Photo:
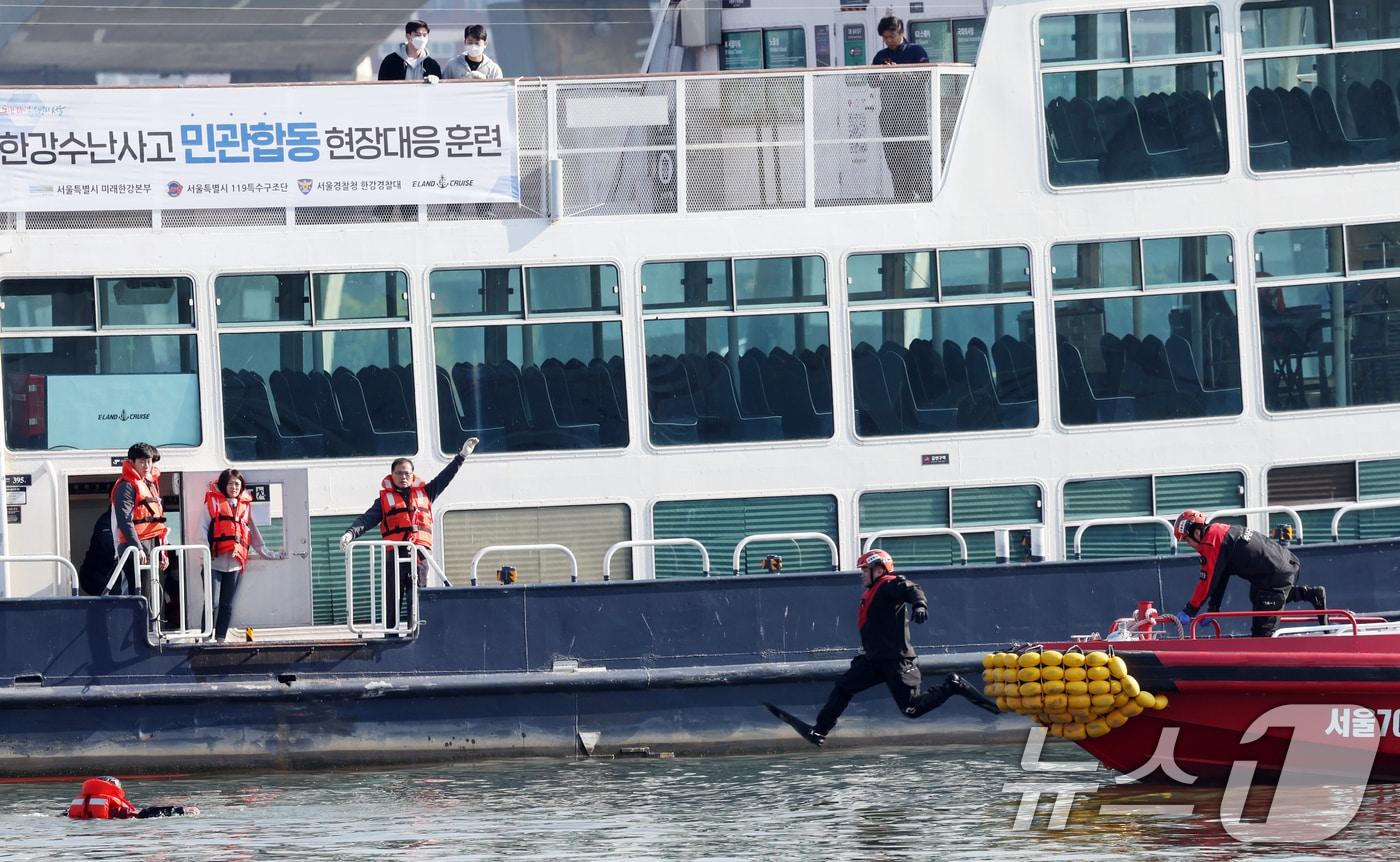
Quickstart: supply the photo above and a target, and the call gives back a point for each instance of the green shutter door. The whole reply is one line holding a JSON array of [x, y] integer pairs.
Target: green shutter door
[[721, 524], [894, 510], [1112, 498], [328, 573], [1205, 492], [1378, 480]]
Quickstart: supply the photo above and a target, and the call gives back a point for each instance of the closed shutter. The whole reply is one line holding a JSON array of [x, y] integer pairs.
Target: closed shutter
[[892, 510], [328, 573], [1113, 498], [721, 524], [1206, 492], [1376, 480], [1313, 483], [587, 531], [982, 507]]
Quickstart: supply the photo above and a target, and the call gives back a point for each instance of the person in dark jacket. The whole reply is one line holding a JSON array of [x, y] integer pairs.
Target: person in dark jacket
[[904, 114], [887, 656], [411, 61], [404, 513], [1226, 550]]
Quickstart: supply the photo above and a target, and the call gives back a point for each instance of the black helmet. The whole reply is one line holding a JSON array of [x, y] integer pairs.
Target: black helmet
[[142, 450]]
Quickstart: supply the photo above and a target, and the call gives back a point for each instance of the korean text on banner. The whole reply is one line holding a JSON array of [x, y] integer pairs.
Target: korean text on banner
[[334, 145]]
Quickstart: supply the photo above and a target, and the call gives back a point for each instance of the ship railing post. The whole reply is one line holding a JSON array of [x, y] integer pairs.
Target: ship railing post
[[920, 532], [655, 543], [1267, 510], [492, 549], [781, 537], [1369, 505], [64, 564], [1110, 522]]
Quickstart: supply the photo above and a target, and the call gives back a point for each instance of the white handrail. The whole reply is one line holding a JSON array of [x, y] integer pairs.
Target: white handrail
[[415, 553], [491, 549], [1369, 505], [63, 563], [128, 551], [1262, 510], [206, 627], [654, 543], [778, 537], [1109, 522], [914, 533]]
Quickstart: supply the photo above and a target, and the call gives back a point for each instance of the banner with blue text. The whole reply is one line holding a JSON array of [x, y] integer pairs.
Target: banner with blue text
[[299, 145]]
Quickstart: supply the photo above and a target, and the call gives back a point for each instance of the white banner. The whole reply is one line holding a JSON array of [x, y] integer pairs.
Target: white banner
[[263, 146], [108, 411]]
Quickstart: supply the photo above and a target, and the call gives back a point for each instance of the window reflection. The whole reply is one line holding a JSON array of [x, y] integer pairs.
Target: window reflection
[[137, 302], [361, 295], [1148, 357], [944, 369]]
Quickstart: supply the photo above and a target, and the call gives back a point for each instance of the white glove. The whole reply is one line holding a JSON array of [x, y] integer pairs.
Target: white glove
[[477, 74], [469, 446], [345, 541], [431, 79], [280, 555]]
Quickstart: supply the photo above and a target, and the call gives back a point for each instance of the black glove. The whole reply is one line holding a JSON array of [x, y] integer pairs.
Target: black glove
[[921, 614]]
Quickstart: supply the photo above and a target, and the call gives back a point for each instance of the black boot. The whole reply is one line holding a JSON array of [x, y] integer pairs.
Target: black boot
[[962, 687], [1318, 597], [805, 730]]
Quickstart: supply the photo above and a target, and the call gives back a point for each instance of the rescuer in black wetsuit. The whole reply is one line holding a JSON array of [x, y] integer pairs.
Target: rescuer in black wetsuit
[[887, 655], [1226, 550]]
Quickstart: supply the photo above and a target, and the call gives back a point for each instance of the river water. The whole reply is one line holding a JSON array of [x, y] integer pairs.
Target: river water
[[943, 803]]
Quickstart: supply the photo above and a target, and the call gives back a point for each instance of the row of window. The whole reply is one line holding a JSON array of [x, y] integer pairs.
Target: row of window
[[1131, 110], [319, 365], [946, 41], [1315, 490]]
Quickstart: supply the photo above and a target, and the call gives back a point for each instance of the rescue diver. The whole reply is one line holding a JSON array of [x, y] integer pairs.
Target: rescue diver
[[887, 655], [1226, 550], [404, 513], [227, 522], [103, 798], [137, 514]]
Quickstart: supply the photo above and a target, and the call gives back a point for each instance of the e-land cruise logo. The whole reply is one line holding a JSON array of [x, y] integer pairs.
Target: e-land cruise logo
[[122, 417]]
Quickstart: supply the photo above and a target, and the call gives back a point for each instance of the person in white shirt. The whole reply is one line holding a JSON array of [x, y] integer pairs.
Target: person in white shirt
[[473, 62]]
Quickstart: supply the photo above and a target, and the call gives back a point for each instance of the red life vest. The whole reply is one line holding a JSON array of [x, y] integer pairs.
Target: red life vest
[[869, 596], [148, 516], [100, 800], [406, 523], [230, 527]]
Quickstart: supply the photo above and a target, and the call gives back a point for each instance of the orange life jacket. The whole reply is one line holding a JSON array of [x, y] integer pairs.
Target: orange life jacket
[[100, 800], [230, 527], [406, 523], [148, 517]]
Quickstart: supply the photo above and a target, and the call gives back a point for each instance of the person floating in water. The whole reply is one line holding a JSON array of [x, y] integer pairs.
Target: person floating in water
[[887, 655], [103, 798]]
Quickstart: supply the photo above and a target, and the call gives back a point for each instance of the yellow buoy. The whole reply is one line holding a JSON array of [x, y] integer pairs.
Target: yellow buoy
[[1101, 703], [1120, 699], [1028, 674], [1098, 686], [1061, 717], [1051, 658], [1075, 674], [1130, 709], [1117, 667], [1159, 702], [1115, 687], [1097, 658], [1052, 672], [1099, 672], [1002, 704], [1073, 659], [1033, 703], [1078, 701], [1075, 730], [1057, 730], [1013, 701], [1095, 729], [1131, 687], [1056, 703], [1029, 688], [1029, 659], [1076, 688], [1115, 719], [1146, 700], [987, 676], [1053, 686], [989, 661]]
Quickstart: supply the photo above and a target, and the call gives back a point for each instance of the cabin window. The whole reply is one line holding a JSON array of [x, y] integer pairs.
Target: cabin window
[[1146, 350], [1335, 340], [1129, 110], [973, 512], [1322, 98], [721, 524], [94, 363], [529, 358], [772, 48], [728, 360], [304, 376], [1318, 491], [587, 530], [928, 361], [1143, 496], [948, 41]]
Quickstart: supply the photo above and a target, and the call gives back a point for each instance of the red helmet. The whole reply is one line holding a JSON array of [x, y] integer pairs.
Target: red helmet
[[1184, 520], [873, 556]]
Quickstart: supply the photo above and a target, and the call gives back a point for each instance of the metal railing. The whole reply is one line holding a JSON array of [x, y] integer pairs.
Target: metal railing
[[64, 564], [1112, 522], [491, 549], [917, 533], [149, 583], [381, 569], [1263, 510], [1368, 506], [656, 543], [780, 537]]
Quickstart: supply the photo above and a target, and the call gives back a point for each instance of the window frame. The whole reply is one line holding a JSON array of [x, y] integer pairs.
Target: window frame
[[313, 320], [1067, 524], [899, 304], [862, 534], [1142, 288]]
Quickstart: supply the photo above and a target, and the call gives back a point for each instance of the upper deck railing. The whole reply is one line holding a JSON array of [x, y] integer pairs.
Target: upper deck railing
[[670, 144]]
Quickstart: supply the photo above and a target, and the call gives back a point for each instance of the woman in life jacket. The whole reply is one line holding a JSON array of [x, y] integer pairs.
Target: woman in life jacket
[[103, 798], [404, 513], [227, 521]]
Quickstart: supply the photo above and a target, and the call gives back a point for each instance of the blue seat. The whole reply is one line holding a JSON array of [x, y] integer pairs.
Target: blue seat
[[1078, 404]]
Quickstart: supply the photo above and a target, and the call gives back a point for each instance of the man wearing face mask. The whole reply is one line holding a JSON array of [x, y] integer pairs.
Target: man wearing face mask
[[411, 61], [473, 62]]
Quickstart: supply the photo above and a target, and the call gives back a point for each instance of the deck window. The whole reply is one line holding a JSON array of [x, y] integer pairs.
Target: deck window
[[720, 525], [1318, 491], [305, 376], [974, 512], [94, 363], [529, 358], [587, 530], [1162, 496]]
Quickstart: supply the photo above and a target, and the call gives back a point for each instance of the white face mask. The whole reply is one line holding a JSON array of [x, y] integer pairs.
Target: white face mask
[[419, 42], [476, 52]]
